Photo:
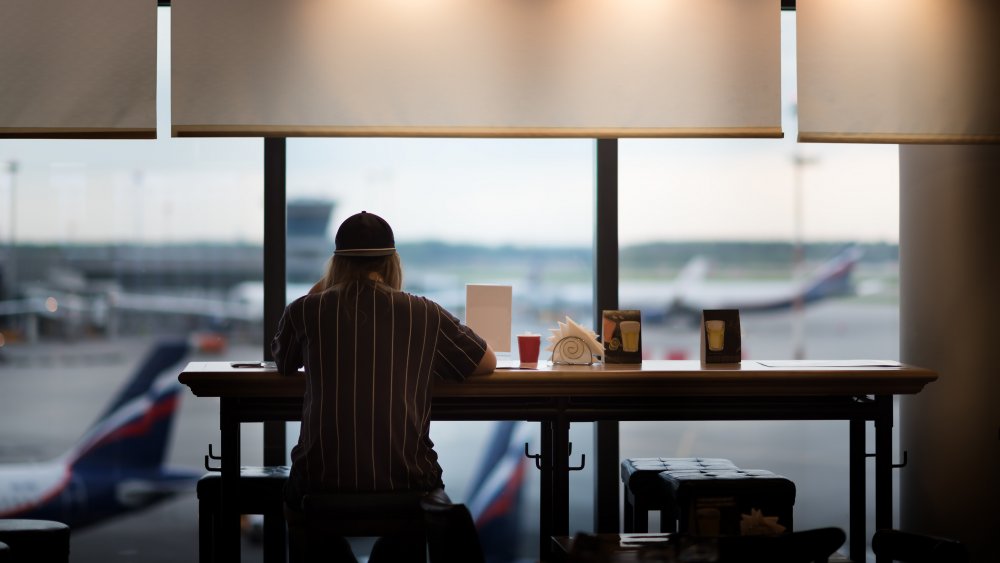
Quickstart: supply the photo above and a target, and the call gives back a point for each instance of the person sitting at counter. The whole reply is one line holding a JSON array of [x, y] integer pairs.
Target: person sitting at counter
[[370, 352]]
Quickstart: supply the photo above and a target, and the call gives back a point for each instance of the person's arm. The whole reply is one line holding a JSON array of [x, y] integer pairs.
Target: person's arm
[[458, 349], [285, 348], [488, 364]]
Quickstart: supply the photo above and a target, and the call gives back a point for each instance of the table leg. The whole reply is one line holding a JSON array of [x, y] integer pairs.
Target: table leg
[[554, 518], [607, 477], [227, 539], [274, 522], [883, 462], [560, 477], [545, 490], [857, 494]]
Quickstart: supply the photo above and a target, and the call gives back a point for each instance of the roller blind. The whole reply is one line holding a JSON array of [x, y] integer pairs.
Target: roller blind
[[518, 68], [898, 71], [78, 68]]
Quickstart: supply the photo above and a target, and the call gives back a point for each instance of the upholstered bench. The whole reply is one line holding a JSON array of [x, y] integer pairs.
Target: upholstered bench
[[645, 491], [261, 491], [706, 496]]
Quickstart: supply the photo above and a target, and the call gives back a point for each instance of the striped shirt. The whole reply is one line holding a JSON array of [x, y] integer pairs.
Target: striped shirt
[[370, 355]]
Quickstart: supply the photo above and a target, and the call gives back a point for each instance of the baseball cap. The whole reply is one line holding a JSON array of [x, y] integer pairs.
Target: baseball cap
[[364, 234]]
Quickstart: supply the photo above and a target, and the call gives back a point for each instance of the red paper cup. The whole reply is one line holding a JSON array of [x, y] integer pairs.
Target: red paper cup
[[528, 346]]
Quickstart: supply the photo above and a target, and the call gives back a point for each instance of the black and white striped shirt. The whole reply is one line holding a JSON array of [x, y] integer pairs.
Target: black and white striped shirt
[[370, 355]]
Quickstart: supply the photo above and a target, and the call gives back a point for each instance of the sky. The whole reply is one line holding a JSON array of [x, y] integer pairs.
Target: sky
[[489, 191]]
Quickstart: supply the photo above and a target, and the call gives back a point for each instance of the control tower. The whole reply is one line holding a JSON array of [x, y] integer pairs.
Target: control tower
[[309, 240]]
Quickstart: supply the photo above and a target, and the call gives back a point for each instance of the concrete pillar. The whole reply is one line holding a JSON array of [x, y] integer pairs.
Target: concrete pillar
[[949, 244]]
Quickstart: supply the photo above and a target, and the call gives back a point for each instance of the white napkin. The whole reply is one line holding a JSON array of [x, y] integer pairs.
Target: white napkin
[[572, 328]]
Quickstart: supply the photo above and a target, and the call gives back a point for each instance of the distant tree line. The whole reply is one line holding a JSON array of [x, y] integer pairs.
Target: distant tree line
[[658, 254], [746, 253]]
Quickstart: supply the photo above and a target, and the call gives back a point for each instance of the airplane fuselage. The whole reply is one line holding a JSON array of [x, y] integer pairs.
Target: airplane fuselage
[[53, 491]]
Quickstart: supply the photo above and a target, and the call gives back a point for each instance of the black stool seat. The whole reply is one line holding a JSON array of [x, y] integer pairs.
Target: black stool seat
[[321, 520], [4, 552], [42, 541], [361, 514], [261, 490]]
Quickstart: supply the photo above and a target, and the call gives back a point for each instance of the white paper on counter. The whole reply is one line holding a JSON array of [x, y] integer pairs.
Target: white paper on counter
[[488, 312], [828, 363]]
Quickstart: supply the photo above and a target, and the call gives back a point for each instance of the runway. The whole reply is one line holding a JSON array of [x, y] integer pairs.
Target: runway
[[50, 392]]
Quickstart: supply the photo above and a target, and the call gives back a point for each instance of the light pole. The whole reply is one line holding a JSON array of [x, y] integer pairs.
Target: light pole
[[10, 269], [798, 259]]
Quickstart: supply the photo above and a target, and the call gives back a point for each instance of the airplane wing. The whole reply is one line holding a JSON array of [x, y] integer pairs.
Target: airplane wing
[[180, 305]]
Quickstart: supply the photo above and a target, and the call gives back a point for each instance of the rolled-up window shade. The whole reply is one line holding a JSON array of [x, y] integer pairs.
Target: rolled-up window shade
[[898, 71], [623, 68], [78, 68]]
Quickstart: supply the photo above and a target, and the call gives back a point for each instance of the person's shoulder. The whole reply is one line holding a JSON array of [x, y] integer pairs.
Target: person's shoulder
[[401, 295], [418, 300], [315, 299]]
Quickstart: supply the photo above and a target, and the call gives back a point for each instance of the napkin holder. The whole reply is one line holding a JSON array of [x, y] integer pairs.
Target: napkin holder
[[572, 351]]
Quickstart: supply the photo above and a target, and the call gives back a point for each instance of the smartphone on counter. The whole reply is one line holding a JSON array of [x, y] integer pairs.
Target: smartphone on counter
[[252, 364]]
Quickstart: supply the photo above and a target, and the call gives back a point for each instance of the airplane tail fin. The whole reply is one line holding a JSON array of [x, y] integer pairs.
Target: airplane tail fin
[[495, 499], [833, 277], [134, 431], [693, 272], [688, 280]]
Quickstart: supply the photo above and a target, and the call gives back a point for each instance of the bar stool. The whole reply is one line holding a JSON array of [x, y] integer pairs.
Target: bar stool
[[325, 518], [42, 541], [429, 519], [4, 552], [451, 532], [645, 491], [261, 491]]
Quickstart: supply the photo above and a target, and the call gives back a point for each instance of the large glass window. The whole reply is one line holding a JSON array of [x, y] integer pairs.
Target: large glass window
[[110, 250], [769, 225]]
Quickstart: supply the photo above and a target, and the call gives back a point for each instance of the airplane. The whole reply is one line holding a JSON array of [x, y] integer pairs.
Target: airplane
[[690, 293], [497, 491], [681, 299], [116, 467]]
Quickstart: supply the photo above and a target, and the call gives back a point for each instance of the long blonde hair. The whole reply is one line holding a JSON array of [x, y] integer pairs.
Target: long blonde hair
[[343, 269]]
